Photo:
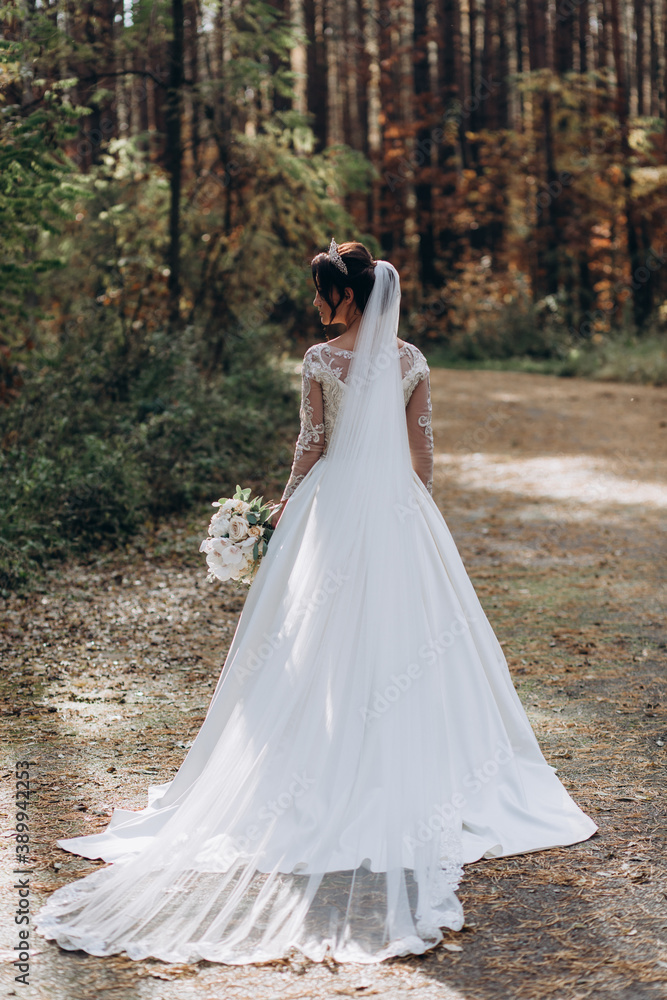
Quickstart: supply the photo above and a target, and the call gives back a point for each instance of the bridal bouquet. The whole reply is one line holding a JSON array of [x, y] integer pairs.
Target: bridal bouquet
[[238, 536]]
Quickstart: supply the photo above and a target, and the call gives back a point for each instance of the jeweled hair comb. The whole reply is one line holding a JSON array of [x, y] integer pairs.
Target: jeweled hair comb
[[335, 257]]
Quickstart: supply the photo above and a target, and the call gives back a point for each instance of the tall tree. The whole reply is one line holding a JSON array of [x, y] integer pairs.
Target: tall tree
[[333, 34], [639, 13], [546, 277], [564, 37], [371, 32], [641, 290], [583, 35], [406, 108], [175, 155], [654, 75], [298, 57]]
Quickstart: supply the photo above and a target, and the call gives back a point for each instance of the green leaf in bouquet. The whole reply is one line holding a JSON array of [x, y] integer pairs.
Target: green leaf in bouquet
[[255, 551], [251, 518], [265, 547]]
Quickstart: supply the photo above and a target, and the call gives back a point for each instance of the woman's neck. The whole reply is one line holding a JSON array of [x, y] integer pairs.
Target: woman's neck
[[347, 339]]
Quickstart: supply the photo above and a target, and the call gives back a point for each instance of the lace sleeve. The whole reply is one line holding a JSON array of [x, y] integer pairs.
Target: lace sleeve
[[310, 442], [420, 432]]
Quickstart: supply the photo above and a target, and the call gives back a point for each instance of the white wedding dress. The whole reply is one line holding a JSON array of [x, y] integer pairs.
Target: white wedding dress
[[364, 740]]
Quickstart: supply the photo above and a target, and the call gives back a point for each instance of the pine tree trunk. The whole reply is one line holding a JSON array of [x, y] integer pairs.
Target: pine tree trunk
[[640, 290], [603, 35], [639, 71], [122, 104], [583, 36], [195, 102], [545, 274], [371, 30], [151, 117], [298, 60], [425, 81], [519, 24], [473, 75], [501, 93], [654, 108], [356, 138], [537, 34], [175, 157], [429, 191], [333, 45], [226, 97], [564, 38], [455, 85], [410, 276], [486, 114], [317, 75]]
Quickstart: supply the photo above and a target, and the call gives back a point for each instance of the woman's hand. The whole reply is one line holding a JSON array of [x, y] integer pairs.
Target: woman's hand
[[277, 514]]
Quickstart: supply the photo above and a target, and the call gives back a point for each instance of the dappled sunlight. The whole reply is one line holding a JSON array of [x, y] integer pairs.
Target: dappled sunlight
[[580, 478]]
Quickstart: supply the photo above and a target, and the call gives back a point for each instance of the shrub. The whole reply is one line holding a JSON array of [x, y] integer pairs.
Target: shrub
[[105, 436]]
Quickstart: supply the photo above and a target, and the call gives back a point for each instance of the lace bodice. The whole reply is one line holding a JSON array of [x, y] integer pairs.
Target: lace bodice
[[323, 376]]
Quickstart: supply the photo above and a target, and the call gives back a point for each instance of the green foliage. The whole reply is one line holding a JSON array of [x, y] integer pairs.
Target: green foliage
[[108, 434], [284, 213], [259, 40], [33, 179], [620, 357], [519, 329], [36, 184], [235, 277], [523, 338], [119, 421]]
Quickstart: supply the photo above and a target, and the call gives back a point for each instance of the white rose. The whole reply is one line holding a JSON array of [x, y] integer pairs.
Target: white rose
[[238, 529], [228, 505], [219, 525]]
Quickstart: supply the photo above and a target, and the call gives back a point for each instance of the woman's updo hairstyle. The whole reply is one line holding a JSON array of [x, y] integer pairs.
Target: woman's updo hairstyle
[[360, 275]]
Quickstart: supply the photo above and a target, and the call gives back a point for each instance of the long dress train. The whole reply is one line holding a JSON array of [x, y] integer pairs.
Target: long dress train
[[364, 740]]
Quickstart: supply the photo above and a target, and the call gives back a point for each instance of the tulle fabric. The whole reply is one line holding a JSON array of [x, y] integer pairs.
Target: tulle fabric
[[364, 740]]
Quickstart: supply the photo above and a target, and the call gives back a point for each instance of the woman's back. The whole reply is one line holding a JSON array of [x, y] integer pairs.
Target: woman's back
[[324, 373]]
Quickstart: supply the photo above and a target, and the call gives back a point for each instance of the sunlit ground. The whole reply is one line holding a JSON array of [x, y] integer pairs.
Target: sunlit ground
[[575, 479]]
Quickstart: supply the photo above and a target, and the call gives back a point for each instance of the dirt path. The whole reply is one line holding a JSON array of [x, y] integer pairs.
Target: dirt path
[[555, 493]]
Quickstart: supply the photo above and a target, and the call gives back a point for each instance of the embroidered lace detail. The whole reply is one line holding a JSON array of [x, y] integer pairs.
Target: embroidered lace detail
[[440, 907], [418, 370], [292, 485], [310, 432], [320, 402], [425, 421], [339, 350]]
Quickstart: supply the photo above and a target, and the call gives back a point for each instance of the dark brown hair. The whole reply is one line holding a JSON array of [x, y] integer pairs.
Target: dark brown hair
[[360, 275]]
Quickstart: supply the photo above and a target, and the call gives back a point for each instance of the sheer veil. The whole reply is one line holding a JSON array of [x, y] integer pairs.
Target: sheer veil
[[369, 446]]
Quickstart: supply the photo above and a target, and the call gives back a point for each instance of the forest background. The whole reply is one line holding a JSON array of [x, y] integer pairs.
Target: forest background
[[169, 167]]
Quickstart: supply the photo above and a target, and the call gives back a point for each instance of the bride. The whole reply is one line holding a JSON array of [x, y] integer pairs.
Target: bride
[[364, 740]]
